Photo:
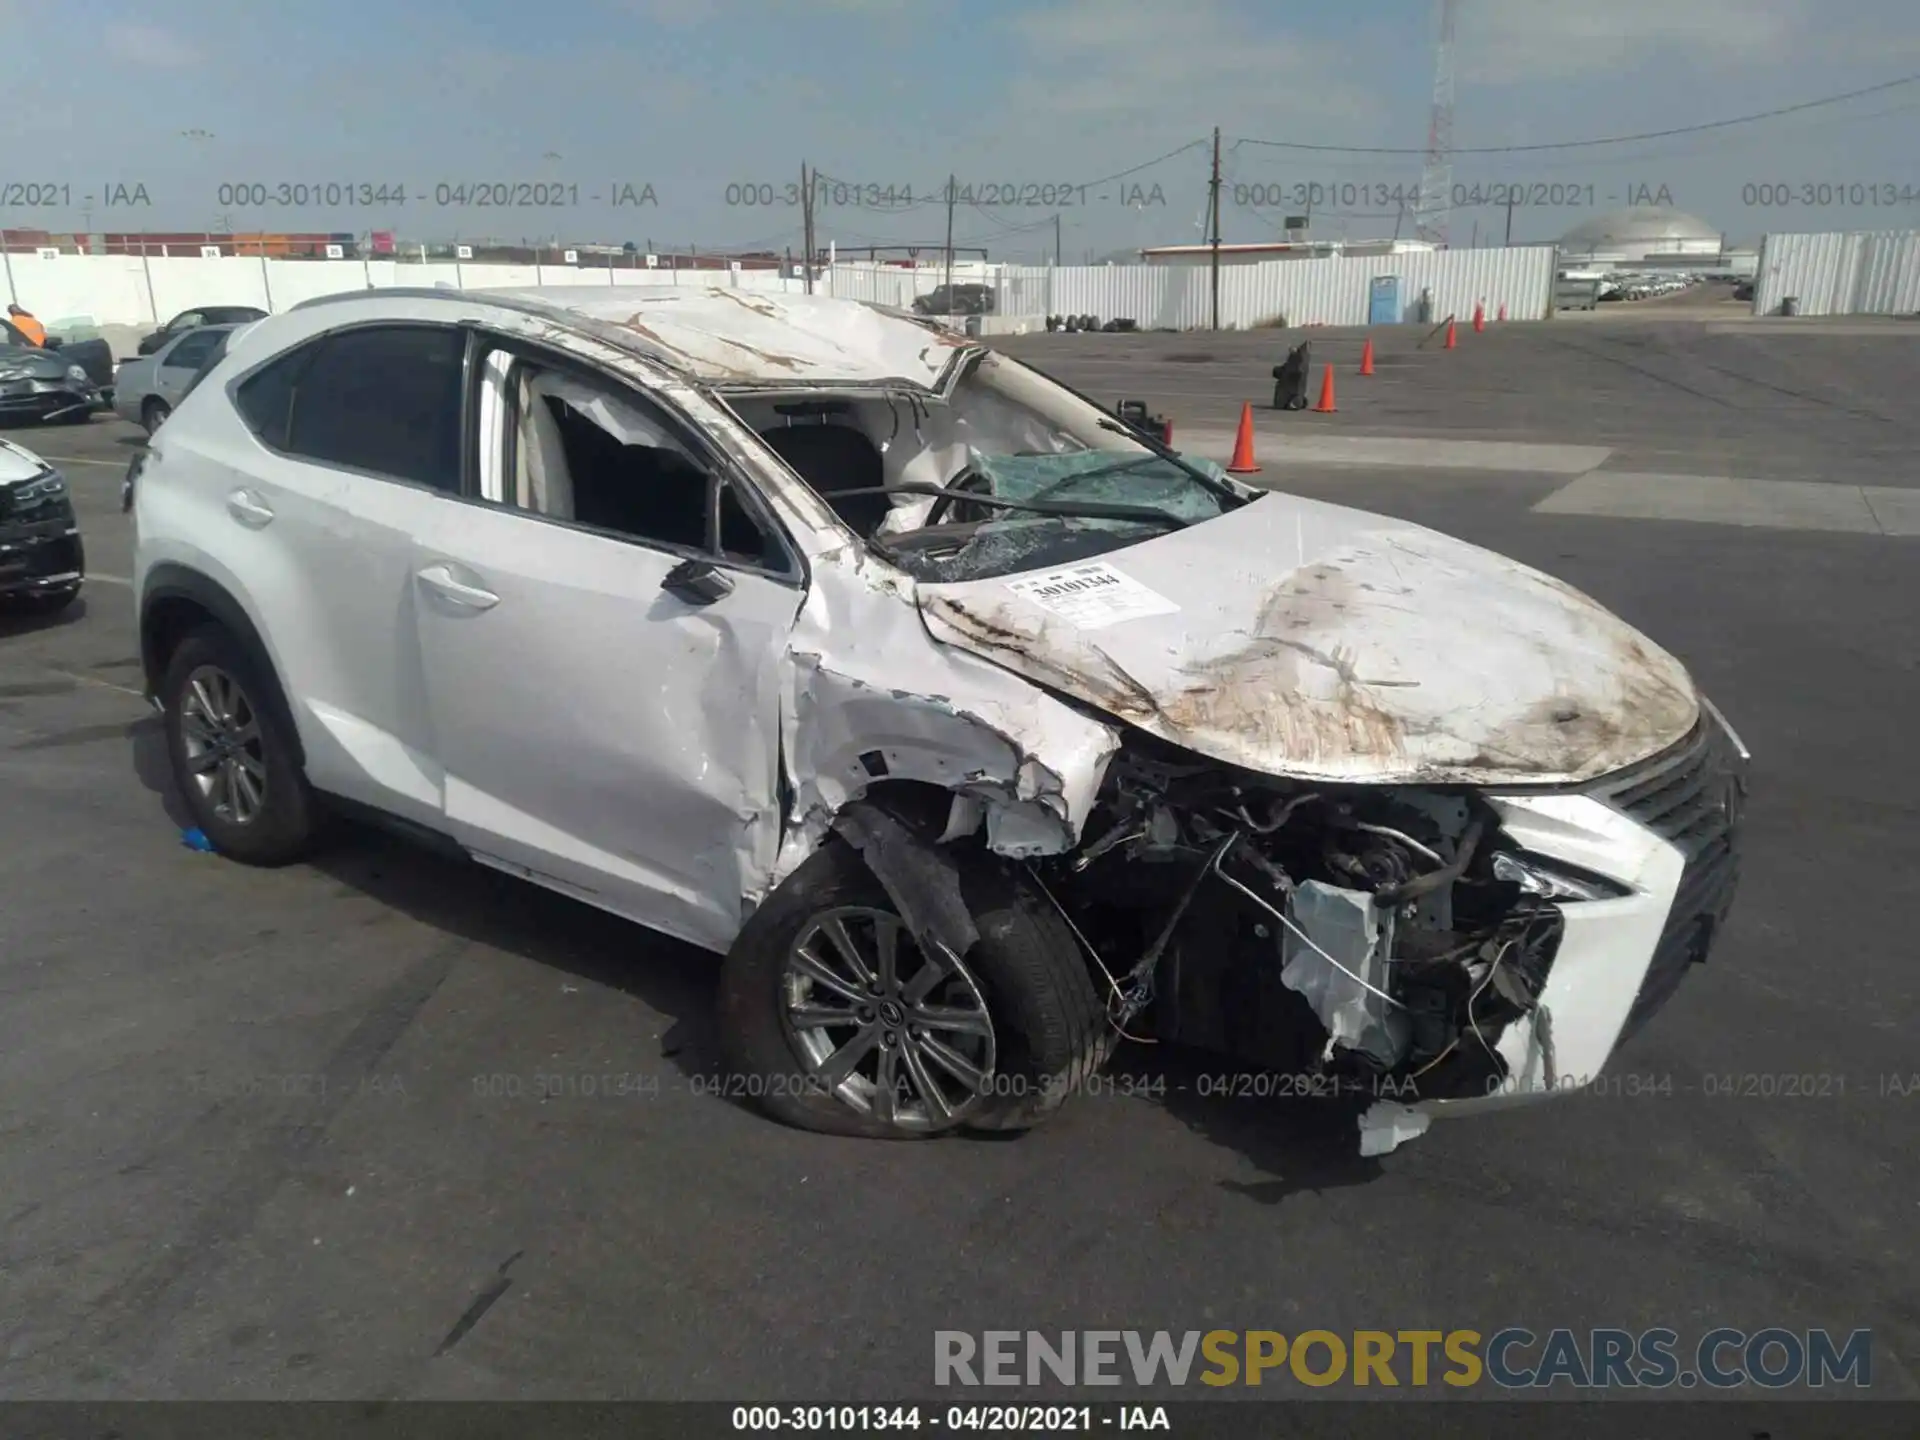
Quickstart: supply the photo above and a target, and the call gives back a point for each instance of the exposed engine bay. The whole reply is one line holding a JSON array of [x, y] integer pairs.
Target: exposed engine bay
[[1380, 937]]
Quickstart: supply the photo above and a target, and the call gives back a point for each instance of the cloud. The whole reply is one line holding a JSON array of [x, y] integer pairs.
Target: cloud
[[149, 45], [1507, 42]]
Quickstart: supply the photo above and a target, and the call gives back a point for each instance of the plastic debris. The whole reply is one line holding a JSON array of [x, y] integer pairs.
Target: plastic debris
[[196, 839], [1388, 1125]]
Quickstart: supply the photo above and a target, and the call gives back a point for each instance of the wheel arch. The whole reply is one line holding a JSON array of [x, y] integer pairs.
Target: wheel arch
[[177, 600]]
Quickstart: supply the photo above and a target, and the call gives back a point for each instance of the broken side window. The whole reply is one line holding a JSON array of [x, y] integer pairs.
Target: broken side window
[[590, 455]]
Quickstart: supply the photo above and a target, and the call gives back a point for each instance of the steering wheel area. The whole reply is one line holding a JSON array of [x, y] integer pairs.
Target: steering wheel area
[[955, 510]]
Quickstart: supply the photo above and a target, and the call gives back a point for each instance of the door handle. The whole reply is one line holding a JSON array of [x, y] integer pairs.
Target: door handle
[[249, 509], [439, 579]]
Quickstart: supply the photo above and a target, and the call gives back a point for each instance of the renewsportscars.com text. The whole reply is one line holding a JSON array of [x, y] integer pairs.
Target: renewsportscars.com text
[[1511, 1358]]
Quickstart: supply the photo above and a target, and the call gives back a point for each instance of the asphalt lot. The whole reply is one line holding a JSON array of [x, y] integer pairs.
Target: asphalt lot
[[1674, 388], [278, 1135]]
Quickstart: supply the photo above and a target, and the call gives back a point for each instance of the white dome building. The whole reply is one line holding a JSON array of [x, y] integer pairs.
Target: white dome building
[[1643, 233]]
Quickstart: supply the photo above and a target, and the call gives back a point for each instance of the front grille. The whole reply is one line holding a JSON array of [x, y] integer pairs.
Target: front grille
[[1692, 796], [51, 515], [23, 562]]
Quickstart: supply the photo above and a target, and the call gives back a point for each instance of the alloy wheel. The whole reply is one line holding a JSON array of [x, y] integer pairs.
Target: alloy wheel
[[902, 1037], [226, 755]]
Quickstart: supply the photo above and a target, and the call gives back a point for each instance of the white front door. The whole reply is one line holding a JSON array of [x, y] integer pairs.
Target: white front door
[[604, 678]]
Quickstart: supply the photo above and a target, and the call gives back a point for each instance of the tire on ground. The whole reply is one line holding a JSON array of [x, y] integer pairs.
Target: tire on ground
[[284, 829], [1050, 1028]]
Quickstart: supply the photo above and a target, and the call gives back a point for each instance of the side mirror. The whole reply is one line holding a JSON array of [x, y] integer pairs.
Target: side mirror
[[697, 583]]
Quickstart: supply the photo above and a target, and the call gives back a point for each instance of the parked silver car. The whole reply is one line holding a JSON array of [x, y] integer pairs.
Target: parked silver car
[[146, 390]]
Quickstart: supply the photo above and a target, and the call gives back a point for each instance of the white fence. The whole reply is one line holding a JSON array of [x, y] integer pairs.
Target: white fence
[[1863, 273], [135, 290], [1333, 291]]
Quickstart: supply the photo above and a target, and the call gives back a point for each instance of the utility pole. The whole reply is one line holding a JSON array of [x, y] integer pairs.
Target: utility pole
[[806, 223], [1060, 256], [1436, 179], [1509, 219], [952, 185], [1213, 199]]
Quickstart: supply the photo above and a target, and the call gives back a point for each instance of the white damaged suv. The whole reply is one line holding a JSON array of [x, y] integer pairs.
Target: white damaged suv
[[970, 726]]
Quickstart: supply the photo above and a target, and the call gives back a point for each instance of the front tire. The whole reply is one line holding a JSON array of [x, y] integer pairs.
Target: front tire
[[886, 1044], [234, 759], [153, 414]]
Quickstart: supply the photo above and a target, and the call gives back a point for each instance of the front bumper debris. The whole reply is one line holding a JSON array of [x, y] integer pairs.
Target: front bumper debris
[[1429, 951], [47, 400], [40, 554]]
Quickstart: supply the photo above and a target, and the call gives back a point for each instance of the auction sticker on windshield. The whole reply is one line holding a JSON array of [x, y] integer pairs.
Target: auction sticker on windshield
[[1092, 596]]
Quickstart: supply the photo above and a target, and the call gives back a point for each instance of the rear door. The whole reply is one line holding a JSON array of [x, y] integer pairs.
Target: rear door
[[357, 445], [602, 636]]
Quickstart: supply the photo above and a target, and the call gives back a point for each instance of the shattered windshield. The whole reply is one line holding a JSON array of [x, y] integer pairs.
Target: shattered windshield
[[935, 484], [1021, 437]]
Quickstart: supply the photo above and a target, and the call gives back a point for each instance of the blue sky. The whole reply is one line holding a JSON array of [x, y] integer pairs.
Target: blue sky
[[691, 97]]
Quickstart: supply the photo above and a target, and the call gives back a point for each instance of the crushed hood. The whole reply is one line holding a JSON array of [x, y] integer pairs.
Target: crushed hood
[[1298, 638], [20, 363]]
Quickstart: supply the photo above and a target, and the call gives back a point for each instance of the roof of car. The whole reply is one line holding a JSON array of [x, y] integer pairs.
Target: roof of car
[[725, 336]]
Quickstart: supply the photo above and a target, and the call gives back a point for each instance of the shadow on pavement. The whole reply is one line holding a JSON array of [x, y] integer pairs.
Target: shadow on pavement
[[471, 902], [1306, 1143], [21, 617]]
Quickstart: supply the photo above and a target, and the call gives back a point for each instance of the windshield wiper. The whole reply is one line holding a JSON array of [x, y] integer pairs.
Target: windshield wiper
[[1166, 452], [1077, 510]]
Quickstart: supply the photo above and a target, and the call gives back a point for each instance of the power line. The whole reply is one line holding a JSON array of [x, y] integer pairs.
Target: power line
[[1590, 144], [937, 194], [1144, 165]]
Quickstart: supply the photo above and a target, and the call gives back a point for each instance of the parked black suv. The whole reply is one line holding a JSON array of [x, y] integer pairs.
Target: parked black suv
[[42, 562], [956, 300]]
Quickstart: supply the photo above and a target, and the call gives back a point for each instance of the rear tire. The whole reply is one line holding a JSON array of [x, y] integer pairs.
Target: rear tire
[[153, 414], [1049, 1031], [234, 759]]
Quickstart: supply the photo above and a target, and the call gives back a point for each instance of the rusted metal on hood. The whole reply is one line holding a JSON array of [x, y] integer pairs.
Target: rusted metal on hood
[[1386, 653]]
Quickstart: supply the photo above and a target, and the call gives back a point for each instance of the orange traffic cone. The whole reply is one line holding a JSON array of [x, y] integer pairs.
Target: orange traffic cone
[[1453, 342], [1366, 357], [1503, 313], [1480, 318], [1325, 407], [1243, 462]]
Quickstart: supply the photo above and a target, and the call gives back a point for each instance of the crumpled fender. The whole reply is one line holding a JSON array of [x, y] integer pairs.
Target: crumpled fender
[[871, 696]]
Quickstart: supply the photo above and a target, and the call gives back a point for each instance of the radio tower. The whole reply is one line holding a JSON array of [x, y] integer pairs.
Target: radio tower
[[1436, 180]]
